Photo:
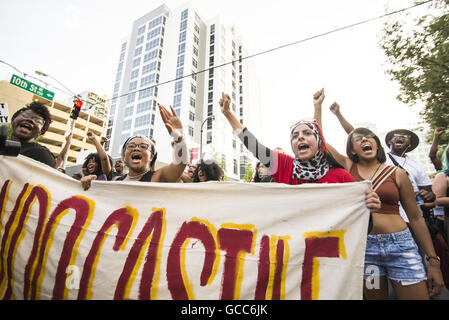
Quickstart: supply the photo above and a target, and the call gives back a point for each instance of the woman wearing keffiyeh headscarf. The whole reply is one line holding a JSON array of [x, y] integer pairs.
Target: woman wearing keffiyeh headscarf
[[312, 162]]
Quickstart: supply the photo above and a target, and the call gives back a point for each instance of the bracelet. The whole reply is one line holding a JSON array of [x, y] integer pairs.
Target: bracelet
[[433, 257]]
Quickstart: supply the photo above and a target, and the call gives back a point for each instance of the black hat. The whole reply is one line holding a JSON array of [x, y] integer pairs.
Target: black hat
[[414, 140]]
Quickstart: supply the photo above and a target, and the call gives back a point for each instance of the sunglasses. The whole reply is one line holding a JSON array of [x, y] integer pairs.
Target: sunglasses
[[360, 137], [398, 135], [303, 121]]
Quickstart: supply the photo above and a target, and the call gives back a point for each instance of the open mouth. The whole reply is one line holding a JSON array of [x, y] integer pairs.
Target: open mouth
[[26, 125], [136, 158], [367, 148], [303, 147]]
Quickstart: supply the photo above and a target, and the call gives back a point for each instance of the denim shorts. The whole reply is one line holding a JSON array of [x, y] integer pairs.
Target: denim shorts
[[394, 255]]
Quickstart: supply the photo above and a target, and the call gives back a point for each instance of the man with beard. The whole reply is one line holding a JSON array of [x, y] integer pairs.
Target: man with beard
[[401, 141], [29, 123]]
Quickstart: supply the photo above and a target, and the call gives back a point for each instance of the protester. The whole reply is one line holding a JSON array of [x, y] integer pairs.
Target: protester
[[99, 164], [187, 176], [27, 125], [440, 187], [434, 148], [260, 172], [312, 163], [60, 158], [118, 169], [208, 170], [138, 153], [390, 247]]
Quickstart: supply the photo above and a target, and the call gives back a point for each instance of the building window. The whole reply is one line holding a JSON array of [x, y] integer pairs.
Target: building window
[[192, 102], [144, 106], [126, 124], [182, 48], [135, 74], [195, 63], [141, 30], [136, 62], [195, 51], [180, 62], [184, 14], [177, 101], [152, 44], [183, 25], [142, 120], [147, 80], [193, 88], [131, 97], [178, 87], [138, 51], [190, 131], [139, 41], [212, 28], [179, 73], [182, 36], [129, 111], [197, 29], [191, 116], [149, 67], [235, 167], [146, 93], [141, 132], [196, 39], [133, 86]]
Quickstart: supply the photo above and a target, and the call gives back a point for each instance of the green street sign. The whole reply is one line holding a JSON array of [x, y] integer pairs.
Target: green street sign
[[31, 87]]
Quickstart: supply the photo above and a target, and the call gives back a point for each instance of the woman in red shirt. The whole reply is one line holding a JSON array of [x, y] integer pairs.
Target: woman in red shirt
[[312, 163]]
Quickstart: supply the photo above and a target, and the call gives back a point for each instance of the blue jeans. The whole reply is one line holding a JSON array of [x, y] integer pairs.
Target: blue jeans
[[395, 256]]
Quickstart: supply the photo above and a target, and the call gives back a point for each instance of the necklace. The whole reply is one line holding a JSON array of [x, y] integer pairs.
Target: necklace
[[371, 179], [136, 176]]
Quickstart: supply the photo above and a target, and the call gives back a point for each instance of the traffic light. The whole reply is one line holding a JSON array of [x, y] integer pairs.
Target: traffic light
[[77, 104]]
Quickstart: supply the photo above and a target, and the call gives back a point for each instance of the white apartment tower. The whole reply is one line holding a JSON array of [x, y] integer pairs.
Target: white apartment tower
[[173, 57]]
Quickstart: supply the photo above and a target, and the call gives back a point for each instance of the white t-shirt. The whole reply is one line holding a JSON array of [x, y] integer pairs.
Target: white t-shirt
[[416, 173]]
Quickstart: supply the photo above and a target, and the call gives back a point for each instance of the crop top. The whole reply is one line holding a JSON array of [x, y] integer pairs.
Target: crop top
[[388, 191]]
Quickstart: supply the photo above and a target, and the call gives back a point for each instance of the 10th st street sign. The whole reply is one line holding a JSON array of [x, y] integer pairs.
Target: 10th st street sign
[[31, 87]]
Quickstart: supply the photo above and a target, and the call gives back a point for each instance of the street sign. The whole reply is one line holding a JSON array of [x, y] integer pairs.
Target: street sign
[[31, 87], [4, 114]]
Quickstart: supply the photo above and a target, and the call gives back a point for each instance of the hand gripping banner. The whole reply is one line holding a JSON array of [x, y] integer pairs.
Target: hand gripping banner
[[214, 240]]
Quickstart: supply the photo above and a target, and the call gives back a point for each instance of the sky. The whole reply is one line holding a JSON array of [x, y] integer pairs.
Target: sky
[[77, 42]]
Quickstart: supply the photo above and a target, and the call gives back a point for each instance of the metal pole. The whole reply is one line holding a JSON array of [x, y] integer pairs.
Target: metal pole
[[67, 154]]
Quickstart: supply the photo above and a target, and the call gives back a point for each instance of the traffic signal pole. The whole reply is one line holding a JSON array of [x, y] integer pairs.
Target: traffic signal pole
[[77, 104]]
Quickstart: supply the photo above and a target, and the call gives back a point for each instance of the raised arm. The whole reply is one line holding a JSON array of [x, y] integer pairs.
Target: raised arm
[[173, 171], [318, 98], [105, 164], [335, 108], [262, 153], [60, 158], [434, 149]]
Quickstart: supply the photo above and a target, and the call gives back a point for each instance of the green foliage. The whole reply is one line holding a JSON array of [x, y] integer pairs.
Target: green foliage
[[417, 51], [249, 173]]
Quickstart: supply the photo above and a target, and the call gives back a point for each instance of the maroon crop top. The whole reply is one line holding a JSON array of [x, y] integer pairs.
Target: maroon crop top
[[388, 191]]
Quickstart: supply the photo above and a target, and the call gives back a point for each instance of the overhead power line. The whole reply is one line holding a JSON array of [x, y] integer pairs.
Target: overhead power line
[[252, 55]]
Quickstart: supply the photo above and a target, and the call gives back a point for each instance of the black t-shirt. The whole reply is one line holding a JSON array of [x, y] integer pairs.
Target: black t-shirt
[[145, 178], [38, 152]]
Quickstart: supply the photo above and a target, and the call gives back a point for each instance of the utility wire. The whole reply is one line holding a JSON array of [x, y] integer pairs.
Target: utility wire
[[249, 56], [279, 47], [28, 75]]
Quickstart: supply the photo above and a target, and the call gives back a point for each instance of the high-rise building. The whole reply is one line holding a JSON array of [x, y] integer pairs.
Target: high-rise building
[[175, 58]]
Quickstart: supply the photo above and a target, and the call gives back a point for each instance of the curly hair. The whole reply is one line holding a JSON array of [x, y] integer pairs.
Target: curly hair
[[211, 170], [39, 108]]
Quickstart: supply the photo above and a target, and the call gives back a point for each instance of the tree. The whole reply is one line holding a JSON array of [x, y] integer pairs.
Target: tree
[[249, 173], [417, 51]]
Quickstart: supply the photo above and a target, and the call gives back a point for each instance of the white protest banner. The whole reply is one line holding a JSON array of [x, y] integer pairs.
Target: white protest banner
[[4, 113], [215, 240]]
